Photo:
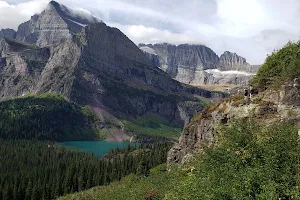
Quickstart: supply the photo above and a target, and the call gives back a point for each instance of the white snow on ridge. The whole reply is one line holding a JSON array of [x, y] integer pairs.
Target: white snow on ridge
[[217, 72]]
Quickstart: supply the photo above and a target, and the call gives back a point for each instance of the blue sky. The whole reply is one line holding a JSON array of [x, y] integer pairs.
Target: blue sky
[[251, 28]]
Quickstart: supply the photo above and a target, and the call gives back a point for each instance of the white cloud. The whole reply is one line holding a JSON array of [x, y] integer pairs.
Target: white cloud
[[251, 28], [12, 15]]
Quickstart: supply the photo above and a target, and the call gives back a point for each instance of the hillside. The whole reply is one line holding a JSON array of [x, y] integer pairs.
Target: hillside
[[281, 66], [47, 117]]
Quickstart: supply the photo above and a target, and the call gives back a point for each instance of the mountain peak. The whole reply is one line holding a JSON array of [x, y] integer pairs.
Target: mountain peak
[[228, 56], [52, 5], [55, 24]]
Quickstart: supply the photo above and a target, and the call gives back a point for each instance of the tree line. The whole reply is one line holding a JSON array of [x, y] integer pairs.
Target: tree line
[[38, 170], [47, 117]]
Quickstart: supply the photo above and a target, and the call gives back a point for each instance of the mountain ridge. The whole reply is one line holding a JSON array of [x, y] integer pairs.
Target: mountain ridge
[[195, 64]]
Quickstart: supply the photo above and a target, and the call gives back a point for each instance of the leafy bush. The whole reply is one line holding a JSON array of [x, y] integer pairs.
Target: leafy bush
[[282, 65], [251, 162]]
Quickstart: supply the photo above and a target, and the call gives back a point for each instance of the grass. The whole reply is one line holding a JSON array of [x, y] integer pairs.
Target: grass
[[134, 188], [153, 125]]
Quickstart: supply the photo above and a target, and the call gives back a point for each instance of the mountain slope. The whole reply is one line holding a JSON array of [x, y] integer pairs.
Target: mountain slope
[[45, 118], [198, 64], [55, 24]]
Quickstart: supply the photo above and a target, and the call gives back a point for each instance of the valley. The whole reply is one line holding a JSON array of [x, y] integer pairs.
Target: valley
[[87, 112]]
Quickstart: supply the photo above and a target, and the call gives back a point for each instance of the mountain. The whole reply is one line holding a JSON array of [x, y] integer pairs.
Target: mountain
[[99, 67], [198, 64], [56, 23]]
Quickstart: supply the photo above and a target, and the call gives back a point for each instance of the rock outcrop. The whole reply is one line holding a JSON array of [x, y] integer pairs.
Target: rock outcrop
[[198, 64], [8, 33], [268, 106], [55, 24]]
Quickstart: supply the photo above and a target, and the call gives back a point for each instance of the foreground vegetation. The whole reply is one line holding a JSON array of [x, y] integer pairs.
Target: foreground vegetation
[[47, 117], [33, 170], [251, 161], [281, 66]]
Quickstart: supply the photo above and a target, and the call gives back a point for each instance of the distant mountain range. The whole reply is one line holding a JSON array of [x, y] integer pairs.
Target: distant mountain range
[[199, 65]]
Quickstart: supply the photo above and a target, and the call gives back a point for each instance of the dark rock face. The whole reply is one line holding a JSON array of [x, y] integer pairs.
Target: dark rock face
[[8, 33], [55, 24], [198, 64]]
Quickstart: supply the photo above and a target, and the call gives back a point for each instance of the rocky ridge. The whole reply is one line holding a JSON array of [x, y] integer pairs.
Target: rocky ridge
[[198, 64], [8, 33], [268, 106], [55, 24]]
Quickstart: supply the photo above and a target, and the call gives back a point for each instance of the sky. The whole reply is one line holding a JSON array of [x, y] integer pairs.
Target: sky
[[251, 28]]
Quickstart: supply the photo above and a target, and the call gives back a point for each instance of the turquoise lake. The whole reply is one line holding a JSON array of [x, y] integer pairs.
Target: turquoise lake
[[98, 148]]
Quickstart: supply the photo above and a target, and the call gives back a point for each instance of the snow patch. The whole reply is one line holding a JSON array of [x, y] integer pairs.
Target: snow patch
[[217, 72]]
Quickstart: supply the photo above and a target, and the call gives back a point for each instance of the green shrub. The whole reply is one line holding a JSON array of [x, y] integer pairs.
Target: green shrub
[[252, 162], [282, 65]]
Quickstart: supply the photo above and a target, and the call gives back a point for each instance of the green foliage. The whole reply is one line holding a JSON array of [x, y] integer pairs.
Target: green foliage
[[282, 65], [36, 170], [142, 169], [45, 117], [152, 125], [251, 161]]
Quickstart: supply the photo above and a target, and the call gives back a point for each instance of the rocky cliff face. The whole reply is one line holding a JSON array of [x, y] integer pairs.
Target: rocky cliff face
[[232, 61], [198, 64], [185, 63], [268, 106], [20, 67], [8, 33], [55, 24]]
